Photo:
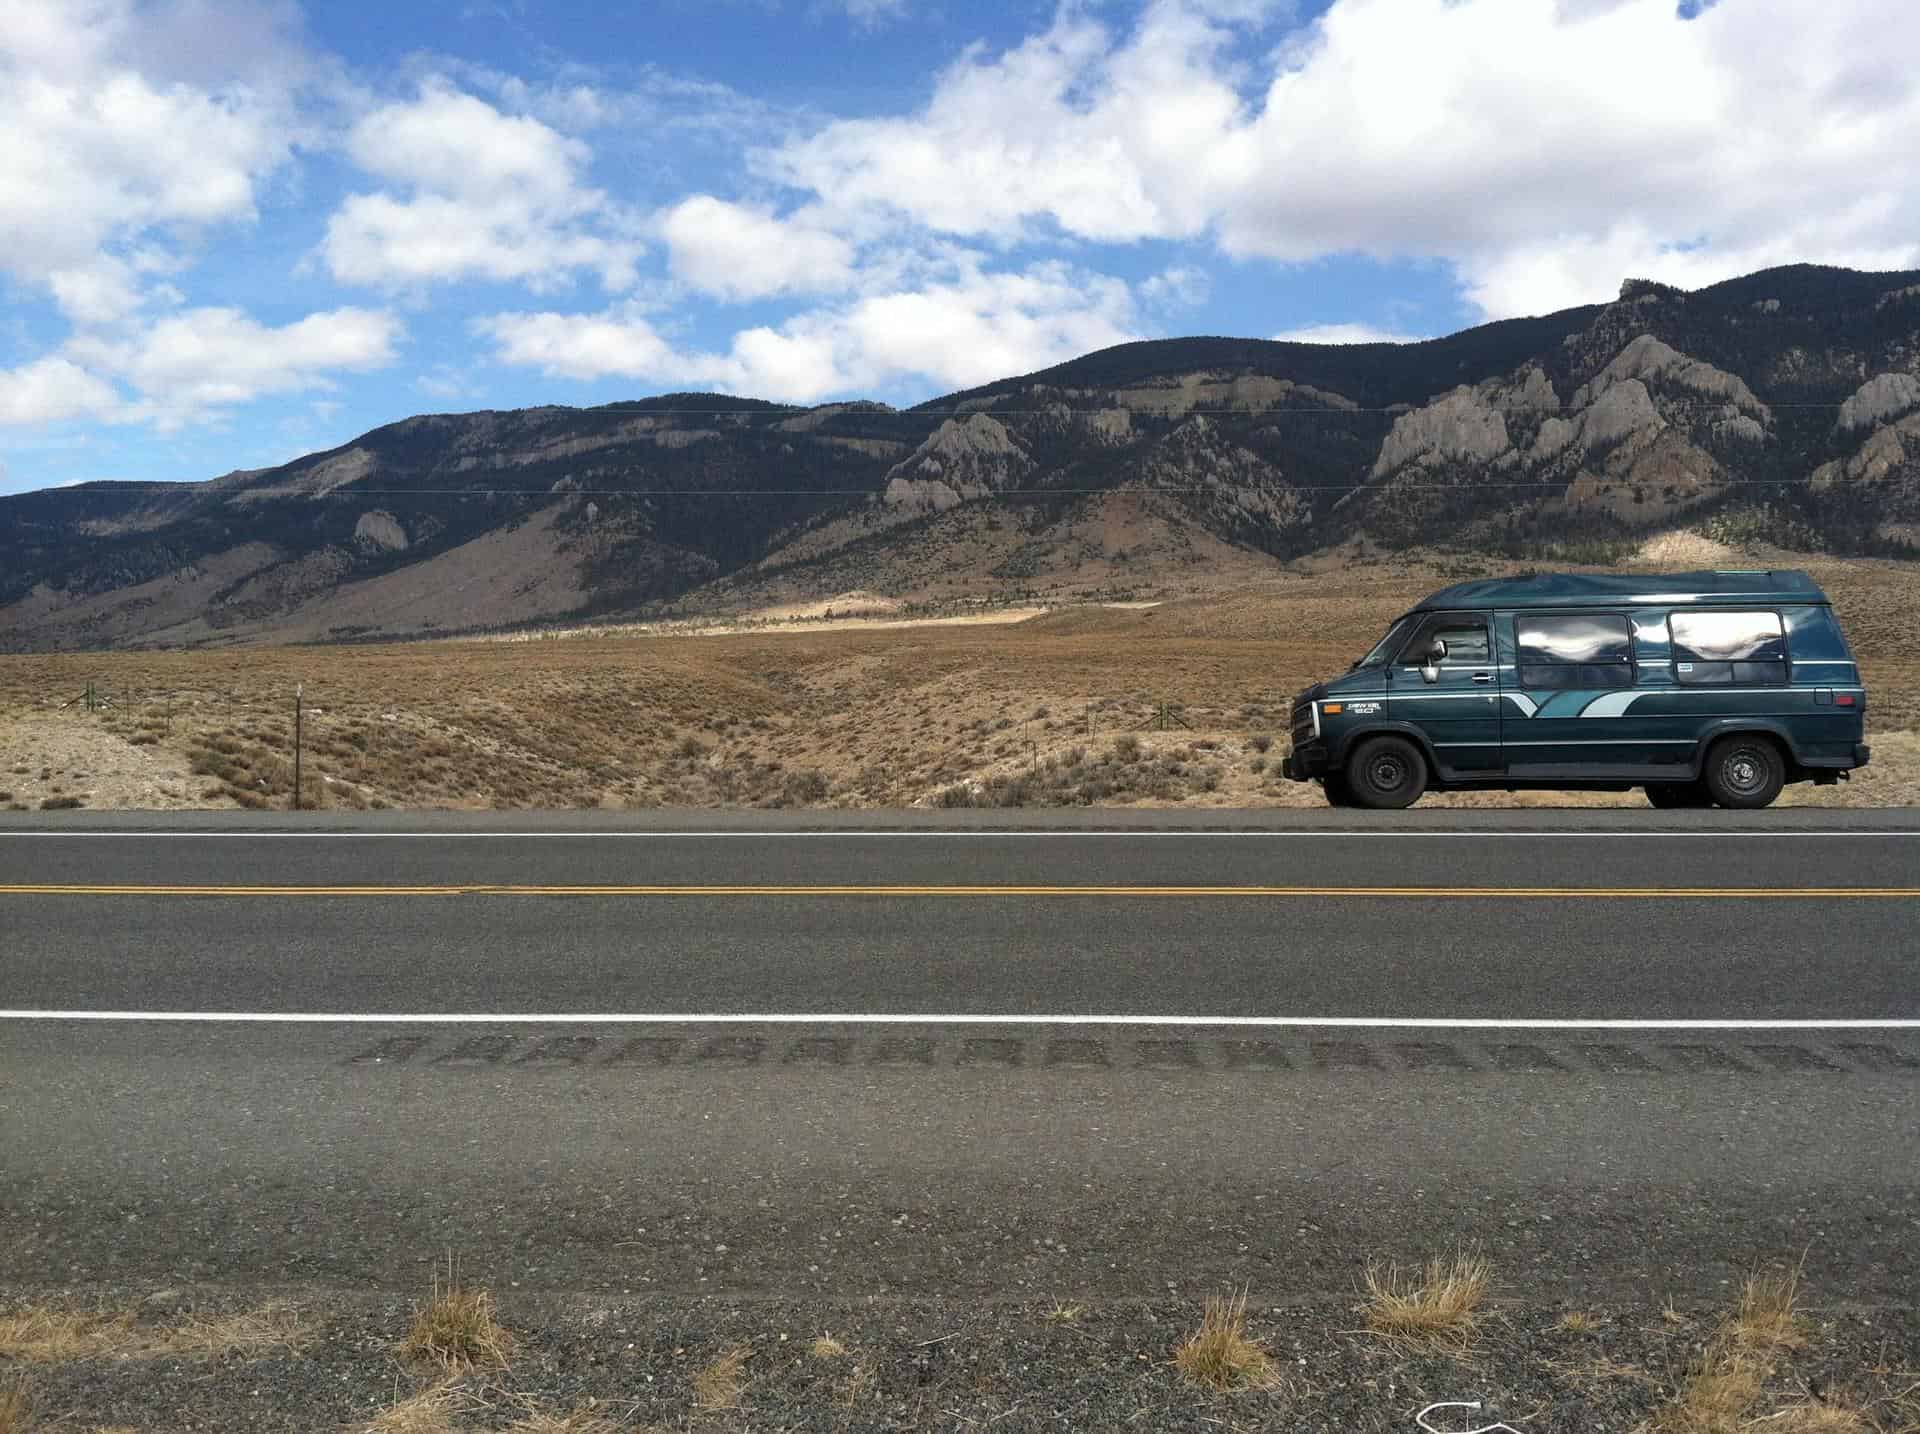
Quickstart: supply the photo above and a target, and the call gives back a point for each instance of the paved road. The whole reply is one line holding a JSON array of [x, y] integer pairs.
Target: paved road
[[930, 1060]]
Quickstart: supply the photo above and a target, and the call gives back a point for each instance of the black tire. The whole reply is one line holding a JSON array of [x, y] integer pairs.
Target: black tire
[[1679, 794], [1745, 771], [1339, 794], [1387, 773]]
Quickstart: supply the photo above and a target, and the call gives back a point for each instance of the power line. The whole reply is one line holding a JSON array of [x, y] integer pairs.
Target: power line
[[1142, 408], [987, 406], [1389, 484]]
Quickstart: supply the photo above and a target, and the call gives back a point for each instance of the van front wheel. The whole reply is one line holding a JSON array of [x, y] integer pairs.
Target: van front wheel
[[1387, 772], [1744, 772]]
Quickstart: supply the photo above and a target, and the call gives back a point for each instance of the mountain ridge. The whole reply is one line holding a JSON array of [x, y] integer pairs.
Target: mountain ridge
[[1783, 405]]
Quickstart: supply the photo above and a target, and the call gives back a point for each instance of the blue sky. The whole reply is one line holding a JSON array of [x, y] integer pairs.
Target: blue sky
[[233, 231]]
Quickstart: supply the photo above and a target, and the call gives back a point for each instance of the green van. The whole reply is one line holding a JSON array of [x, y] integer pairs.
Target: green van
[[1700, 688]]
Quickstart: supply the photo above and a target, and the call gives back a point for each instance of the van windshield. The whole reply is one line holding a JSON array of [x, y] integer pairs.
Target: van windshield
[[1385, 647]]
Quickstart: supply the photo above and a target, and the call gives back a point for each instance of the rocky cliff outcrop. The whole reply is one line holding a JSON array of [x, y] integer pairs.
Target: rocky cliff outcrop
[[1461, 427], [377, 529], [963, 458], [1879, 400]]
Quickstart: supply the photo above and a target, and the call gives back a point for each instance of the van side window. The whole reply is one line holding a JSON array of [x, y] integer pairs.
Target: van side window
[[1582, 650], [1467, 644], [1740, 649]]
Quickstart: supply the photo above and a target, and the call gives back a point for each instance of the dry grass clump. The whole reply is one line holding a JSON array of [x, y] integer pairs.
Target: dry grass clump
[[457, 1329], [437, 1410], [431, 1411], [14, 1408], [1824, 1418], [1726, 1383], [1576, 1322], [580, 1421], [272, 1326], [38, 1335], [721, 1383], [1767, 1317], [1220, 1355], [1436, 1306], [826, 1347], [1716, 1399], [1063, 1313]]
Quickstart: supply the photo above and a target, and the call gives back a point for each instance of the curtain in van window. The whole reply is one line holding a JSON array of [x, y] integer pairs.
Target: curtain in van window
[[1739, 649], [1574, 651]]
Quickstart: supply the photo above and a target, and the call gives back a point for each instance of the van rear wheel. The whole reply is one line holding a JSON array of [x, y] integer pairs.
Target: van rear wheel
[[1744, 772], [1387, 772], [1679, 794]]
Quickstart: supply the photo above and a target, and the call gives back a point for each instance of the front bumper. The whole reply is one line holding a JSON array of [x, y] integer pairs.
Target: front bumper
[[1305, 764]]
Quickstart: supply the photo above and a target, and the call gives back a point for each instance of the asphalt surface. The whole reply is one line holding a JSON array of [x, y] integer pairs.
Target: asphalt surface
[[698, 1094]]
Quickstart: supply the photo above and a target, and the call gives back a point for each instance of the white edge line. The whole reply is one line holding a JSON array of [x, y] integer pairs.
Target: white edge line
[[904, 1018], [1105, 834]]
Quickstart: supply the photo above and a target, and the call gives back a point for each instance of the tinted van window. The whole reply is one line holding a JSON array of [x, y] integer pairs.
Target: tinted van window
[[1736, 648], [1466, 640], [1574, 650]]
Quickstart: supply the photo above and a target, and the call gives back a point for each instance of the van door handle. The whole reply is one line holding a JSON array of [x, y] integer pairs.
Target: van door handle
[[1483, 677]]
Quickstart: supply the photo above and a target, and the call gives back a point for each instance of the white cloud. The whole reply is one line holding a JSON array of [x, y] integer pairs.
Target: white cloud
[[112, 135], [1178, 286], [1344, 334], [193, 364], [870, 13], [975, 327], [1008, 140], [1545, 151], [50, 390], [484, 195], [739, 252], [444, 381], [673, 115]]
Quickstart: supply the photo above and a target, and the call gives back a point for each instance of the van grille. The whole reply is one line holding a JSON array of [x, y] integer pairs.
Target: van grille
[[1302, 723]]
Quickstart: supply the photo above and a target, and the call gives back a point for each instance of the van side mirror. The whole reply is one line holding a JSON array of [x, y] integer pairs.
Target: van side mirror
[[1431, 659]]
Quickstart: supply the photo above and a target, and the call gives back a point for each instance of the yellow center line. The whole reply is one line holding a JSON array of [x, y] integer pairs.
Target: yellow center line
[[1824, 893]]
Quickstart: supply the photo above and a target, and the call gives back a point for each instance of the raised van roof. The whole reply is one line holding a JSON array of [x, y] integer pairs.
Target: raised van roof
[[1773, 586]]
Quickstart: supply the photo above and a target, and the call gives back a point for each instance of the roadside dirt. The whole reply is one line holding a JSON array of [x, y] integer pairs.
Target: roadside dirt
[[653, 1364], [70, 757]]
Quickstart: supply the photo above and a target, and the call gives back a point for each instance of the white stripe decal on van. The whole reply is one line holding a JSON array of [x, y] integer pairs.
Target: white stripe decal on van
[[1526, 703], [1613, 704]]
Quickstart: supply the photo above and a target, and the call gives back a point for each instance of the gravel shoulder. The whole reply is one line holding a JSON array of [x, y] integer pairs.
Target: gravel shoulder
[[896, 1365]]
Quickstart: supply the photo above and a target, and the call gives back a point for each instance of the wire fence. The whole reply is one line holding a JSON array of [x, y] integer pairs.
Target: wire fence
[[294, 748]]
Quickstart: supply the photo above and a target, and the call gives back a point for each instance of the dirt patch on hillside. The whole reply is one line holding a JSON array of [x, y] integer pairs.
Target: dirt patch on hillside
[[849, 604], [826, 619], [1682, 552], [73, 759]]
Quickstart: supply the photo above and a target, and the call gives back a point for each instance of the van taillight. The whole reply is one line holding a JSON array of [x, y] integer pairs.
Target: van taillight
[[1843, 699]]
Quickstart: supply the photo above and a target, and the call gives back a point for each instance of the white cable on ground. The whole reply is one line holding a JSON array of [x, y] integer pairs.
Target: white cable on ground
[[1421, 1419]]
